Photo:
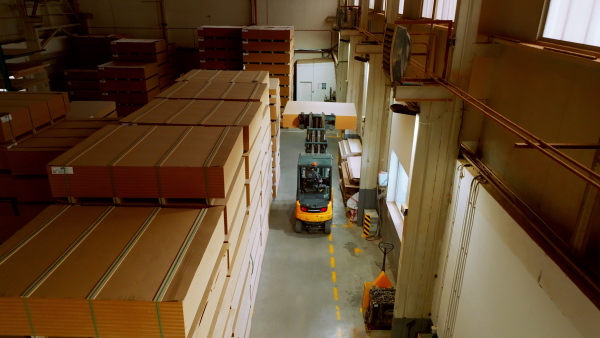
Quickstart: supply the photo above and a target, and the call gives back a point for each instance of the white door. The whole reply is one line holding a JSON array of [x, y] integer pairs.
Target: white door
[[304, 91]]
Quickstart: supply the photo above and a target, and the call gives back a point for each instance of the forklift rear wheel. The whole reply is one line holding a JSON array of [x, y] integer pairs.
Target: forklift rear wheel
[[298, 226], [327, 227]]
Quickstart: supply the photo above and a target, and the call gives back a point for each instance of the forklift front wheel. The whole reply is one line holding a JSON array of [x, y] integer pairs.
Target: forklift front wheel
[[298, 226]]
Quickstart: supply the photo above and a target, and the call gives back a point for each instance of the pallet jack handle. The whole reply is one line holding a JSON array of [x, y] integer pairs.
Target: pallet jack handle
[[385, 247]]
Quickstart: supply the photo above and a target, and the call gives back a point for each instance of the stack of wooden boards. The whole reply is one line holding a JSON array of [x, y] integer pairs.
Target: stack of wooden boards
[[271, 48], [139, 272], [24, 183], [139, 70], [87, 52], [350, 151], [23, 114], [268, 48], [274, 110], [220, 47], [186, 260]]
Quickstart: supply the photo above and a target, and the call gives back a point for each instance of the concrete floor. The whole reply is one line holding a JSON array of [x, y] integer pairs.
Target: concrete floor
[[311, 285]]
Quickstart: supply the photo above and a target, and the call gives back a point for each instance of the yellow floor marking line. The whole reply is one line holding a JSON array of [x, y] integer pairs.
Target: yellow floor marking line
[[333, 277], [332, 262], [331, 249], [335, 294], [357, 251], [333, 225], [347, 226], [337, 313], [339, 332], [330, 238]]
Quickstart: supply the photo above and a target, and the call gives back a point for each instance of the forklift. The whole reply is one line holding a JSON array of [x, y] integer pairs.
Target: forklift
[[314, 193]]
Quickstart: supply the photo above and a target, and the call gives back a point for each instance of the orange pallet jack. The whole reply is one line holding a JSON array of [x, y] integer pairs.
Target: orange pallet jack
[[378, 297]]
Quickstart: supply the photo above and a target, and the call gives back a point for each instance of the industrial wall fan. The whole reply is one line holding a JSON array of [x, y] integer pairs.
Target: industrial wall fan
[[396, 52]]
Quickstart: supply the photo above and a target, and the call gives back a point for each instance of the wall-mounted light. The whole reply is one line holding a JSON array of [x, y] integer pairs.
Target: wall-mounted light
[[403, 109]]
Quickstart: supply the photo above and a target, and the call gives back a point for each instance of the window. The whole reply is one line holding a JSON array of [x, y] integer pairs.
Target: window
[[398, 182], [371, 4], [576, 21], [401, 7], [443, 9]]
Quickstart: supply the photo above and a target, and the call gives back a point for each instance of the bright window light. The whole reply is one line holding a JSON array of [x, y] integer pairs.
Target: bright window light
[[401, 7], [427, 9], [575, 21], [443, 9], [371, 4]]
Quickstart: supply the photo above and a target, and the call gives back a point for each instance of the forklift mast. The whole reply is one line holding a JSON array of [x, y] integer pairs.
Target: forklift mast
[[316, 126]]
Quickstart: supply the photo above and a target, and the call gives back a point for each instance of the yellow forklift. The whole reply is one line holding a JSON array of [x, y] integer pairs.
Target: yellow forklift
[[314, 194]]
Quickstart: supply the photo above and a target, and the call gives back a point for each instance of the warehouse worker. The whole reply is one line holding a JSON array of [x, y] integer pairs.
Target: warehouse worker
[[312, 176]]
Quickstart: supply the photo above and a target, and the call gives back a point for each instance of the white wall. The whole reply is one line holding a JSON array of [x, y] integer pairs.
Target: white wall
[[509, 287]]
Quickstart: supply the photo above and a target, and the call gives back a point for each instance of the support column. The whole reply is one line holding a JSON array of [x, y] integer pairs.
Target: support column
[[355, 82], [429, 186], [376, 113], [391, 11], [342, 69], [435, 153]]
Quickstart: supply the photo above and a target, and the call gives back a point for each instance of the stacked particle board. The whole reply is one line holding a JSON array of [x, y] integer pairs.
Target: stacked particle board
[[157, 272], [166, 79], [152, 162], [88, 51], [130, 84], [92, 110], [83, 84], [247, 233], [275, 116], [271, 48], [30, 156], [23, 114], [204, 75], [220, 47], [236, 91], [350, 147]]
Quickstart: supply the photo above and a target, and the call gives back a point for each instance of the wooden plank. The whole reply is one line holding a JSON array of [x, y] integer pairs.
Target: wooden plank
[[354, 164]]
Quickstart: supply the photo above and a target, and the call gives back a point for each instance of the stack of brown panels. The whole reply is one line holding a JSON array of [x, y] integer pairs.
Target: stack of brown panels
[[246, 205], [275, 115], [236, 91], [91, 50], [83, 84], [166, 78], [220, 47], [155, 162], [271, 48], [135, 85], [130, 84], [31, 156], [158, 272], [23, 114], [204, 75]]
